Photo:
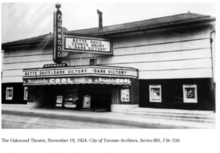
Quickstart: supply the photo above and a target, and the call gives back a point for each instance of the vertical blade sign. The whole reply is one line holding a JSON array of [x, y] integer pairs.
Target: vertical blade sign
[[58, 34]]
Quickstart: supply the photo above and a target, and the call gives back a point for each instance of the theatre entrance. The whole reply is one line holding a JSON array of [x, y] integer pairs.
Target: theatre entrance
[[94, 97]]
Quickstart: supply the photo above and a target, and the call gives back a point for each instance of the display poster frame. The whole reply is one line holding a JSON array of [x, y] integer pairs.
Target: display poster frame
[[125, 95], [190, 94], [87, 101], [155, 93], [25, 93], [9, 93], [59, 99], [58, 36]]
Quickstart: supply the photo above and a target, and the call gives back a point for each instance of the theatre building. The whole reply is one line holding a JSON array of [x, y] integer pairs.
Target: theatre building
[[166, 62]]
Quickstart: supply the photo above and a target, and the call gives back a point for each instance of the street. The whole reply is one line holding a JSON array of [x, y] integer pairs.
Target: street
[[24, 117], [26, 122]]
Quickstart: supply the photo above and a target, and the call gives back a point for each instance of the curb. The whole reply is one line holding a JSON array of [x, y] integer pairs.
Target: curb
[[98, 120]]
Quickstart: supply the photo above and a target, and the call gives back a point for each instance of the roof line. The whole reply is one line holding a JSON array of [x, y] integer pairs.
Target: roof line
[[149, 24]]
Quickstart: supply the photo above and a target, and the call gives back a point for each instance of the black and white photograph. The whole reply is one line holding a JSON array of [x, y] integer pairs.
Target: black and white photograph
[[114, 73]]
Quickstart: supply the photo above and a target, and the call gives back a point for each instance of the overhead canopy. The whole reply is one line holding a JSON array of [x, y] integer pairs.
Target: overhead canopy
[[79, 75]]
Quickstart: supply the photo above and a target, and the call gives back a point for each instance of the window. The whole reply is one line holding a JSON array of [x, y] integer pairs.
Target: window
[[25, 93], [190, 94], [9, 93], [71, 95], [93, 62], [155, 93]]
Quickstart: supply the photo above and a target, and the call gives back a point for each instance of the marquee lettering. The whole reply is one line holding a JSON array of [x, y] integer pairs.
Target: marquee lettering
[[78, 80], [86, 44]]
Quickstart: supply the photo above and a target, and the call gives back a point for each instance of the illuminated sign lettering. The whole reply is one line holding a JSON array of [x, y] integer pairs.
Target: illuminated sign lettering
[[131, 73]]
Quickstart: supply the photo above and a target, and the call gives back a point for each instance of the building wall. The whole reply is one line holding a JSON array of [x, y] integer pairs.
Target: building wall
[[176, 53], [180, 53], [172, 94], [17, 96], [18, 58]]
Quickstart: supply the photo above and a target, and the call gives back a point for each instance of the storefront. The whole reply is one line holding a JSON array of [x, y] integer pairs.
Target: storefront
[[86, 87]]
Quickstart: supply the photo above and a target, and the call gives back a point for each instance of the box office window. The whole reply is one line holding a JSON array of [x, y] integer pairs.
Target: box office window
[[25, 93], [190, 94], [155, 93], [71, 95], [125, 94], [9, 93]]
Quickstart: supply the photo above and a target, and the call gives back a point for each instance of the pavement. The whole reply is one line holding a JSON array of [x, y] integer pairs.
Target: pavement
[[141, 121]]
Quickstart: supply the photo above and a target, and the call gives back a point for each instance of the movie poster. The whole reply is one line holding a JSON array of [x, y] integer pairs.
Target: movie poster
[[9, 93], [155, 93], [25, 93], [125, 95], [87, 101], [59, 99], [190, 94]]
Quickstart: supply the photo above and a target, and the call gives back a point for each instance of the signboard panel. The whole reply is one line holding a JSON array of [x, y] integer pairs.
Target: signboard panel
[[58, 32], [79, 80], [87, 44], [76, 71], [9, 93]]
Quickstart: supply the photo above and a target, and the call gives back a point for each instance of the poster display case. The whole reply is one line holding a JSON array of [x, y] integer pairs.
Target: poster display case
[[190, 94], [9, 93], [155, 93]]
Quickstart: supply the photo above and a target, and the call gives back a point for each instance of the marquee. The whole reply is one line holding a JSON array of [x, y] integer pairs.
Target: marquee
[[81, 71], [73, 43], [79, 75]]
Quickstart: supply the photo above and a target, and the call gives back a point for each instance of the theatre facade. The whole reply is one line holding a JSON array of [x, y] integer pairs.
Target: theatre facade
[[166, 62]]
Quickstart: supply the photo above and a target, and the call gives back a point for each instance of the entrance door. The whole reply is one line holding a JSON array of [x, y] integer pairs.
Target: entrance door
[[70, 97], [103, 97]]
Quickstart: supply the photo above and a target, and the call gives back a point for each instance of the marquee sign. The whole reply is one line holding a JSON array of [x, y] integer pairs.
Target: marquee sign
[[87, 44], [58, 32], [81, 71], [78, 80]]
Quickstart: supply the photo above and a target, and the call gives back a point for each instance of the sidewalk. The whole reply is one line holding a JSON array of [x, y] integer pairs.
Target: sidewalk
[[103, 117]]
